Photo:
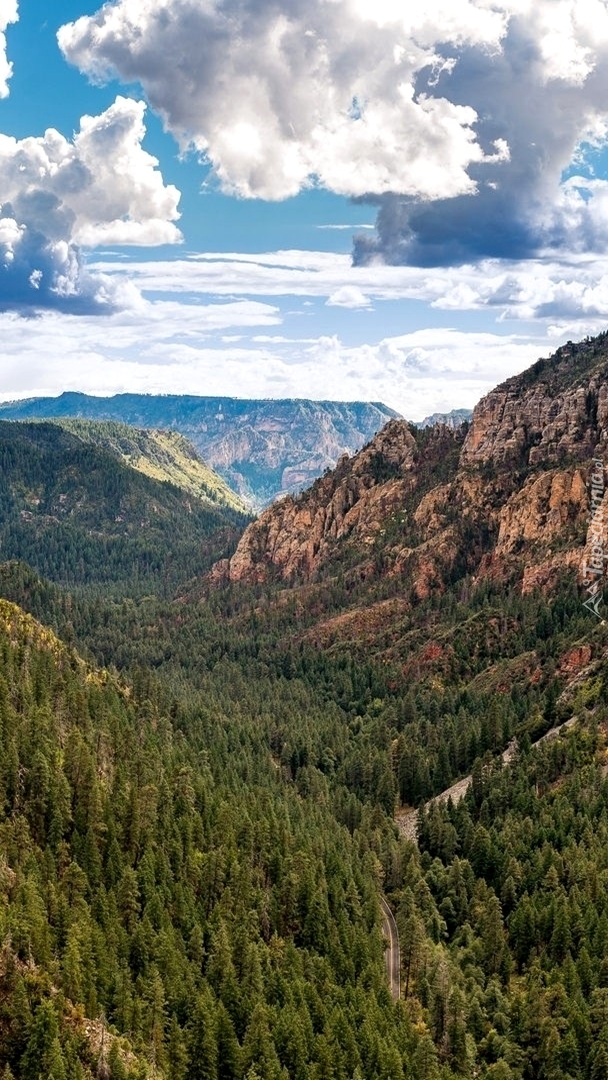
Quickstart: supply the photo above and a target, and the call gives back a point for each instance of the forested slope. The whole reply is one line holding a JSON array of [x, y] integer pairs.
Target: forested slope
[[173, 890], [81, 516], [197, 825], [527, 851], [231, 794], [163, 455]]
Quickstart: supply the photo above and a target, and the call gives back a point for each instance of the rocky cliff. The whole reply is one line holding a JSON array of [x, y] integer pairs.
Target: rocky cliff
[[296, 535], [509, 496], [350, 507], [452, 419], [555, 410]]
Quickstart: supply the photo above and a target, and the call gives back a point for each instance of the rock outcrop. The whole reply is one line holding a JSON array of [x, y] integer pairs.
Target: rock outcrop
[[453, 419], [366, 503], [507, 496], [296, 535], [554, 411]]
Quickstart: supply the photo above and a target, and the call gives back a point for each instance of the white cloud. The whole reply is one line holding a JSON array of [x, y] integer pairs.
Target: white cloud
[[248, 345], [8, 14], [349, 228], [570, 33], [348, 296], [417, 373], [278, 97], [544, 92], [56, 194], [549, 291], [101, 187], [458, 117]]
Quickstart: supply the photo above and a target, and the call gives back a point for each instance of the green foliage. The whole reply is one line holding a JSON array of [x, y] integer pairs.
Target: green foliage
[[531, 911], [162, 878], [80, 516], [163, 455], [196, 823]]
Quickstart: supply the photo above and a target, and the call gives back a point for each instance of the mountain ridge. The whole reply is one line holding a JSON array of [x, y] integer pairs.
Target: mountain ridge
[[505, 495], [454, 418], [161, 455], [557, 408], [261, 447], [80, 514]]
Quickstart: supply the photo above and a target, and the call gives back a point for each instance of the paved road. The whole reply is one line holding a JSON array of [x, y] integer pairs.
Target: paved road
[[392, 955]]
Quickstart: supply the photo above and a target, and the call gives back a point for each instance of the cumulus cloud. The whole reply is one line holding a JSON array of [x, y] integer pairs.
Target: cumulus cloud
[[457, 117], [348, 296], [8, 14], [544, 92], [58, 195], [418, 373], [279, 96]]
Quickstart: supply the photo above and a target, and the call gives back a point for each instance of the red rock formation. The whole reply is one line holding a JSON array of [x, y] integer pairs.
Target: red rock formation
[[516, 501]]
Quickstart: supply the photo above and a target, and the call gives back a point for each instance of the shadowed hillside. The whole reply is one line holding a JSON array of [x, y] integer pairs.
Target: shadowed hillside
[[75, 510]]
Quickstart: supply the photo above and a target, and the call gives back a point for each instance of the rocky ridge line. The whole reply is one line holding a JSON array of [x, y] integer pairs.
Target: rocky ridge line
[[516, 498]]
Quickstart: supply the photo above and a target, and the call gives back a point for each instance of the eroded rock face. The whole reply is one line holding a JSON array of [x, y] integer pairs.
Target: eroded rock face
[[561, 414], [550, 506], [516, 500], [296, 535], [541, 526]]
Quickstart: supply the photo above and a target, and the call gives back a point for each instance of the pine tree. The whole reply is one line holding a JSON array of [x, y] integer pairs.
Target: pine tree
[[228, 1052], [258, 1046], [425, 1062], [43, 1057], [177, 1055], [202, 1043]]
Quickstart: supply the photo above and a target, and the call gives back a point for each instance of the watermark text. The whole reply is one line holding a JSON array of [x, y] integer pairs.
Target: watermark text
[[596, 552]]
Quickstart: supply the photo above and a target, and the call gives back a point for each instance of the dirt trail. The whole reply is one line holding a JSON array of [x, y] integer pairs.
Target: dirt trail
[[407, 820]]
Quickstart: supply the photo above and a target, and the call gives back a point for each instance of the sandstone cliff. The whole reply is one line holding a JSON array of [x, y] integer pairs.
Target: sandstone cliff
[[555, 410], [508, 497], [298, 536]]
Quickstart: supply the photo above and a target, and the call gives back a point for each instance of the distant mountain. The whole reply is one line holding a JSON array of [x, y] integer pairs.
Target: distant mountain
[[451, 419], [262, 448], [79, 514]]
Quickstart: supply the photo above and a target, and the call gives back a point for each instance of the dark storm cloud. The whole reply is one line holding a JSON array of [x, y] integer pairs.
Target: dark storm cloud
[[542, 108]]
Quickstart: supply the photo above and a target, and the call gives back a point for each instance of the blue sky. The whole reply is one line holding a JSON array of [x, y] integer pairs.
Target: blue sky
[[299, 199]]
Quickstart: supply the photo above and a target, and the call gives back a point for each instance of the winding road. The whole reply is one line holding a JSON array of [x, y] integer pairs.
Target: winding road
[[392, 955]]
